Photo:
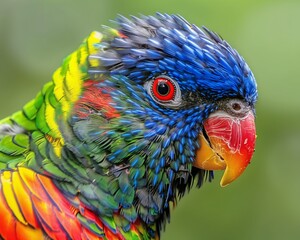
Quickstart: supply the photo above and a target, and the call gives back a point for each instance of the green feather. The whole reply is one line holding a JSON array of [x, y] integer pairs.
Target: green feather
[[90, 225], [10, 144], [20, 119]]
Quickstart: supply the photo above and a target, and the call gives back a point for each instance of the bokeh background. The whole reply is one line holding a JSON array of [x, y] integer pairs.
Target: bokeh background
[[264, 203]]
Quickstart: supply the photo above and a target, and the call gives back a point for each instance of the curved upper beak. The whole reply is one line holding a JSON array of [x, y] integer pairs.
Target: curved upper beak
[[228, 143]]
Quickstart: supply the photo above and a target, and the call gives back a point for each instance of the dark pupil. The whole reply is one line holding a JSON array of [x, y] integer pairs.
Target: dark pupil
[[236, 106], [163, 88]]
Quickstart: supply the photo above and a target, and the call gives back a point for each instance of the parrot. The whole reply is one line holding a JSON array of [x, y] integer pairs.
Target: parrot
[[134, 118]]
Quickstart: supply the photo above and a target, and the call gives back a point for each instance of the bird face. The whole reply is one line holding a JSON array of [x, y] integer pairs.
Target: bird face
[[195, 93]]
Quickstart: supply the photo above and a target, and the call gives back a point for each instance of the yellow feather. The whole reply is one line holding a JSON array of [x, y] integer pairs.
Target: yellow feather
[[10, 197], [73, 79], [50, 120], [58, 89], [94, 38]]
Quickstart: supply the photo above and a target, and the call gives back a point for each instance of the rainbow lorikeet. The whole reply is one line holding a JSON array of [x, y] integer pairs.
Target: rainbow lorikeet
[[131, 120]]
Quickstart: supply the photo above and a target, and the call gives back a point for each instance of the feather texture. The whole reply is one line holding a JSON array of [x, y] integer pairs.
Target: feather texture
[[95, 155]]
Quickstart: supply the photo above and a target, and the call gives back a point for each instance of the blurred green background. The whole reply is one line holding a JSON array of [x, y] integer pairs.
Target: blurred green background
[[264, 203]]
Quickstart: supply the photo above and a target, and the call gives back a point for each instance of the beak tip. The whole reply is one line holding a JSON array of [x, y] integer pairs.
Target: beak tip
[[224, 183]]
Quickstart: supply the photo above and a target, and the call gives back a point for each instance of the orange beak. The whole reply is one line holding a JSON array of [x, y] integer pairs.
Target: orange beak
[[227, 143]]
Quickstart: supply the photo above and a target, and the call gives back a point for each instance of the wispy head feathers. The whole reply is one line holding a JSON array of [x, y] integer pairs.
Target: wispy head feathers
[[197, 58]]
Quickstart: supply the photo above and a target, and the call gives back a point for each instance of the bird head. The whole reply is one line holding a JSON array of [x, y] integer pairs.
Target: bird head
[[168, 103]]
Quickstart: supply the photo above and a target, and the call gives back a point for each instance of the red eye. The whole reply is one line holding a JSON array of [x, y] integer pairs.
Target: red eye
[[163, 89]]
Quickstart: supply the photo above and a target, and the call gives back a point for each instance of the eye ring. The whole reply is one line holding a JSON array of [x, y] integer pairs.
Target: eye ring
[[164, 91]]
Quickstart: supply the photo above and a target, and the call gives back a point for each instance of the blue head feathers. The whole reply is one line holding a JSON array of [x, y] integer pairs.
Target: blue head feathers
[[198, 59]]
